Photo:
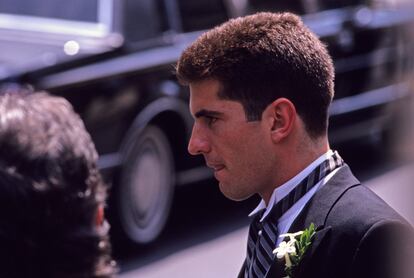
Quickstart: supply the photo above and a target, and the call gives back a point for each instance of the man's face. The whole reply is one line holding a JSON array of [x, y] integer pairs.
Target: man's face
[[237, 150]]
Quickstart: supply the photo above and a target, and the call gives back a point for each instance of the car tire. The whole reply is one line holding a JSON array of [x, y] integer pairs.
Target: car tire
[[147, 186]]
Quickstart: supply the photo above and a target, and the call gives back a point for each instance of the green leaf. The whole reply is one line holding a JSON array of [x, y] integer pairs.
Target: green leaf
[[302, 243]]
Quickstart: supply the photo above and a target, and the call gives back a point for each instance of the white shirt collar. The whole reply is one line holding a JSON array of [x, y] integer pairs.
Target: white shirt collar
[[281, 191]]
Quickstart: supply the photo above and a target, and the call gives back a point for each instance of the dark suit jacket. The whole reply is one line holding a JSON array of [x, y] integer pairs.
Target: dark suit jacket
[[358, 235]]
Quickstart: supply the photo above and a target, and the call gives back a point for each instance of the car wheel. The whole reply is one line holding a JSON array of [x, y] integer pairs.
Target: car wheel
[[147, 186]]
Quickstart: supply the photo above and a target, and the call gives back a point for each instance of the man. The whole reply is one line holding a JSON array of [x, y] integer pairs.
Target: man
[[51, 193], [260, 88]]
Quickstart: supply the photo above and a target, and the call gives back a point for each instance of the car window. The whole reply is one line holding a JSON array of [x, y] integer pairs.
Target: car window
[[295, 6], [201, 14], [143, 19], [336, 4], [74, 10]]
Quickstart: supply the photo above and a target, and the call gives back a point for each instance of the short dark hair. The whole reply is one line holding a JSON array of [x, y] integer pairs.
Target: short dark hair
[[50, 189], [262, 57]]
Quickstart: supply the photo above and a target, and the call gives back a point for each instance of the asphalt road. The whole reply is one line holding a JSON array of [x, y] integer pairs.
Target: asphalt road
[[206, 235]]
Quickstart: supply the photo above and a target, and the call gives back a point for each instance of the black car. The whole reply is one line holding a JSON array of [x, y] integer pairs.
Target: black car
[[114, 61]]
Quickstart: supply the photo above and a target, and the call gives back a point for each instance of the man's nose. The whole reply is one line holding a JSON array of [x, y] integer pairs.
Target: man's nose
[[198, 144]]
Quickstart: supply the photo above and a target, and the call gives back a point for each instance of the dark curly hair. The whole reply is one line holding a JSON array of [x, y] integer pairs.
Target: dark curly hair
[[50, 190], [262, 57]]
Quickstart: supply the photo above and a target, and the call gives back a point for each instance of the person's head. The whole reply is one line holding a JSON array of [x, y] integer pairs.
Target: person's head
[[51, 192], [272, 73]]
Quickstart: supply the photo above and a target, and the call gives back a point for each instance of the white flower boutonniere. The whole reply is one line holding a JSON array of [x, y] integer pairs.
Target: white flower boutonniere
[[294, 249]]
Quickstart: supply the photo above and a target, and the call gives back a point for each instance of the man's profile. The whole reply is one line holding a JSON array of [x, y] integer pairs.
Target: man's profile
[[51, 193], [260, 89]]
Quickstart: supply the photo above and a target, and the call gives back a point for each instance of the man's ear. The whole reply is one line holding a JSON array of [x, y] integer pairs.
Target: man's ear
[[100, 215], [282, 116]]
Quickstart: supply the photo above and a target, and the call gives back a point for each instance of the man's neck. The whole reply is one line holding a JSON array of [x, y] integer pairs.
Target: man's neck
[[299, 159]]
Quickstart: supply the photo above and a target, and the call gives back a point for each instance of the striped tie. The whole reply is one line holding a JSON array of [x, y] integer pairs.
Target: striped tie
[[263, 235]]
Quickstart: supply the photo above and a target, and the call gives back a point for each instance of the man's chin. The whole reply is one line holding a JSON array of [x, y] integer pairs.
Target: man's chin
[[233, 195]]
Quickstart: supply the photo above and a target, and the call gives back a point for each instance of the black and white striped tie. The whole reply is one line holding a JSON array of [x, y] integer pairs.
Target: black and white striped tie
[[263, 235]]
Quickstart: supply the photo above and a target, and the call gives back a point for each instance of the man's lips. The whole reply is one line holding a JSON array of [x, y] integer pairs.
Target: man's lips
[[215, 167]]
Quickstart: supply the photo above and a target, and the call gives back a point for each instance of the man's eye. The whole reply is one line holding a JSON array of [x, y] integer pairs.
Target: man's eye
[[211, 120]]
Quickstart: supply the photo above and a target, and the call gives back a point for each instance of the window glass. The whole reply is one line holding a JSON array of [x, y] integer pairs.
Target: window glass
[[201, 14], [294, 6], [143, 19], [336, 4], [77, 10]]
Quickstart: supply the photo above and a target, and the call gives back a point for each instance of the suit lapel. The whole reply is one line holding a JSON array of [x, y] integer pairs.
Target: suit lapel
[[316, 211], [320, 236], [277, 270]]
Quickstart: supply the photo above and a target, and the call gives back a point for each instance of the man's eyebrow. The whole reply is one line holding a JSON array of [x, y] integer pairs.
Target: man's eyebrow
[[207, 113]]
